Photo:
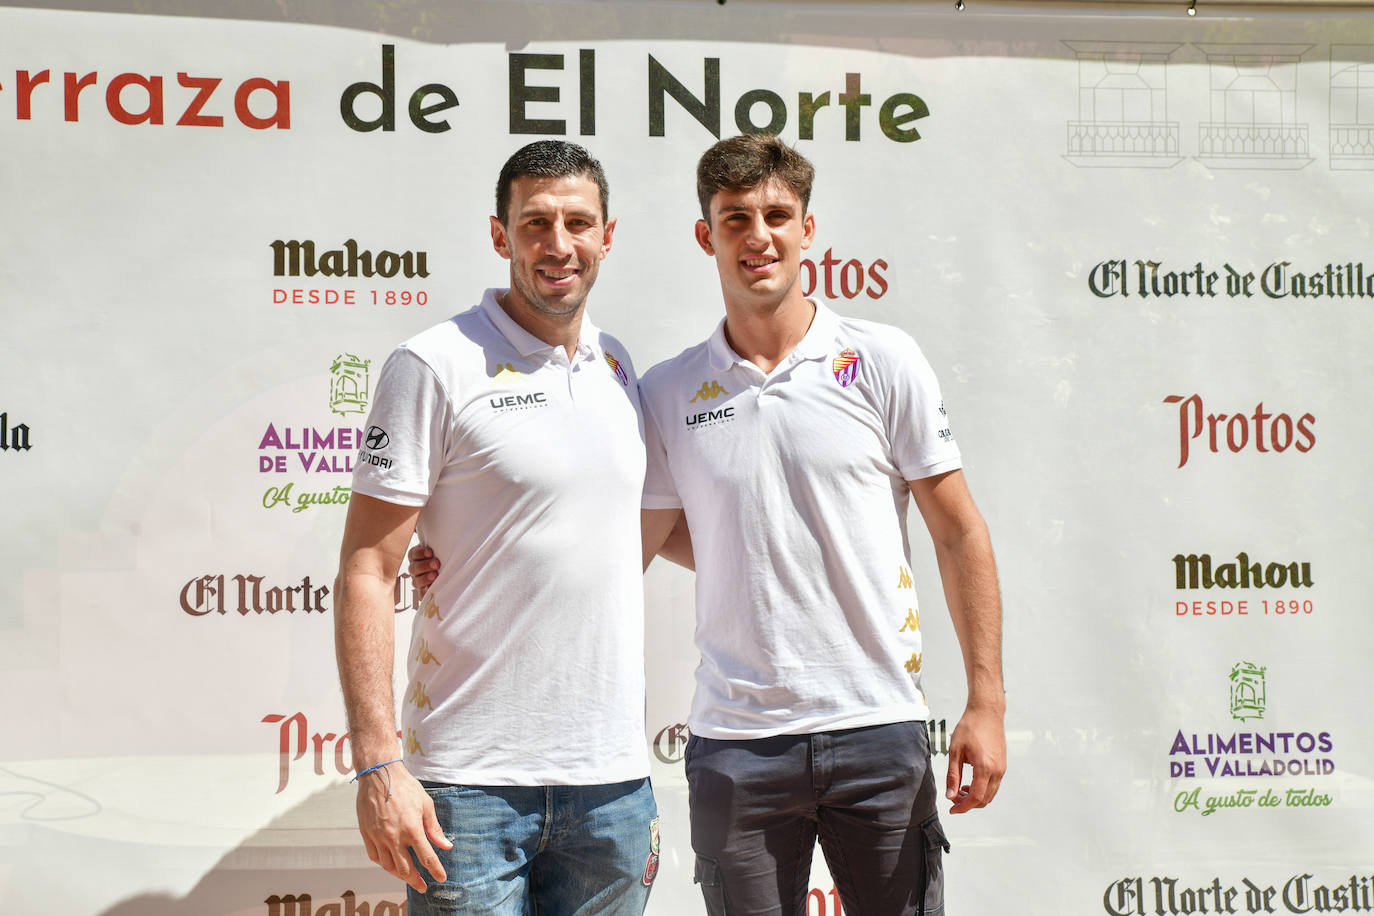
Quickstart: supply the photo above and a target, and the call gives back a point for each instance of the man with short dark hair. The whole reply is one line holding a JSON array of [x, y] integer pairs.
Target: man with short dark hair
[[791, 439], [507, 436]]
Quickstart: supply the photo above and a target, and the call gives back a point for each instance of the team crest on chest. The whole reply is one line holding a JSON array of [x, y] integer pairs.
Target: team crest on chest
[[617, 369], [845, 367]]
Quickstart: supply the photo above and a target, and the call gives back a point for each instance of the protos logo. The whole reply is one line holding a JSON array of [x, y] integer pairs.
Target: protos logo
[[1240, 430], [708, 391], [292, 745], [377, 438]]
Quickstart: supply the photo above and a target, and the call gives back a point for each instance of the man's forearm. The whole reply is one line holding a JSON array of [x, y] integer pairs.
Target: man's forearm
[[365, 644], [968, 573]]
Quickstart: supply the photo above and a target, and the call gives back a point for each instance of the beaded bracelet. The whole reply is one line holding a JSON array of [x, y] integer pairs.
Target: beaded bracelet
[[383, 768]]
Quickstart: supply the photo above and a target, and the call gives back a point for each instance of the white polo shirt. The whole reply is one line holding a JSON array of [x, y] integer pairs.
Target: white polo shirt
[[527, 667], [794, 486]]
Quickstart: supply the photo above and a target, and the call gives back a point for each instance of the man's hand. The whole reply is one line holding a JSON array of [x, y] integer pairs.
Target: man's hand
[[393, 826], [980, 741], [423, 568]]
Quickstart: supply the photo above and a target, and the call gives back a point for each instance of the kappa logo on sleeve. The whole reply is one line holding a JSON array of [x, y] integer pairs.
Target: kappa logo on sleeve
[[846, 367]]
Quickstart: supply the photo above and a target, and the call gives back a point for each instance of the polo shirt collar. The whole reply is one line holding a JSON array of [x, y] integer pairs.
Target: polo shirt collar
[[815, 344], [525, 343]]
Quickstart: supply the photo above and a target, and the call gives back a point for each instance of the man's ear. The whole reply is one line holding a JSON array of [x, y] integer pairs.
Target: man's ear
[[606, 236], [499, 240], [704, 237]]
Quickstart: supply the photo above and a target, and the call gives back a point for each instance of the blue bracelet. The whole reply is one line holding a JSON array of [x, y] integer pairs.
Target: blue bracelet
[[383, 768]]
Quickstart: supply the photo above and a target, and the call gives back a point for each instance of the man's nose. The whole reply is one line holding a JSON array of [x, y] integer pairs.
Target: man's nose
[[757, 234], [559, 240]]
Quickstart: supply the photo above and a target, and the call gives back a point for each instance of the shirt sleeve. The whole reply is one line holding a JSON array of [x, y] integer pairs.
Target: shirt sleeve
[[660, 490], [404, 447], [917, 423]]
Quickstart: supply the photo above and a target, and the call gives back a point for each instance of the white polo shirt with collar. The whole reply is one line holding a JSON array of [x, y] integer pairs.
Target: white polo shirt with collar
[[526, 663], [794, 487]]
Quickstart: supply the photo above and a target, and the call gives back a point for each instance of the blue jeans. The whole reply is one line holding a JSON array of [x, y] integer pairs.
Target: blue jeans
[[758, 807], [543, 850]]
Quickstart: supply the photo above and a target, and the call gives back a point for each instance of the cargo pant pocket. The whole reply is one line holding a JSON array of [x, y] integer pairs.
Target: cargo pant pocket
[[707, 875], [933, 868]]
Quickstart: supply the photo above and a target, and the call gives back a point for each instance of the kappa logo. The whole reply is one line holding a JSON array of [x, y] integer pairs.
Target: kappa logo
[[424, 656], [620, 374], [846, 367], [412, 744], [507, 374], [708, 391], [377, 438], [419, 696]]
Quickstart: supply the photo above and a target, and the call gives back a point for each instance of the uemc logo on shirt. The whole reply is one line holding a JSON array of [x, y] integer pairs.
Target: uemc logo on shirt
[[711, 417], [507, 402]]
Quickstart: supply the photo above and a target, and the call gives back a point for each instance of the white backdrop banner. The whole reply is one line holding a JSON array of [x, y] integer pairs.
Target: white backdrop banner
[[1136, 249]]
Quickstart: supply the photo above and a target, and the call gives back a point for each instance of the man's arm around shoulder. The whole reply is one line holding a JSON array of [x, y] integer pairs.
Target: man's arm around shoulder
[[395, 814], [969, 576]]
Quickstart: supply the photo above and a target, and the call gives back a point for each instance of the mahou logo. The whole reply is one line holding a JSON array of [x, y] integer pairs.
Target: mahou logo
[[1259, 430], [302, 258], [346, 904], [1194, 571]]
